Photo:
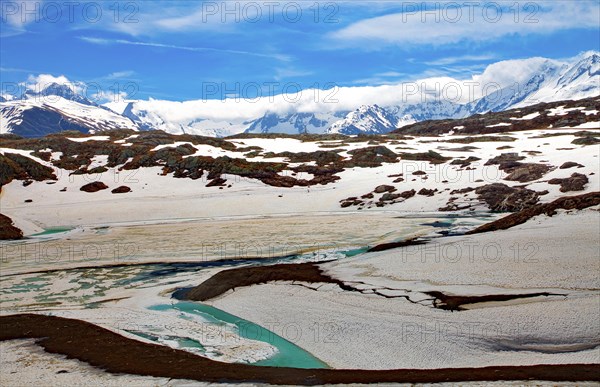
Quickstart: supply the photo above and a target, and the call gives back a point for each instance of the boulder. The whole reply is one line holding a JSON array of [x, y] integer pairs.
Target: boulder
[[217, 182], [576, 182], [570, 164], [384, 188], [94, 187], [121, 189]]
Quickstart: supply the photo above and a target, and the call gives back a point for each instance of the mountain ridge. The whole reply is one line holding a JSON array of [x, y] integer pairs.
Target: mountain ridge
[[59, 107]]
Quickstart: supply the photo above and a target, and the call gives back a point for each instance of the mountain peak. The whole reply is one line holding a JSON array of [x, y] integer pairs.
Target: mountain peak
[[368, 119], [60, 90]]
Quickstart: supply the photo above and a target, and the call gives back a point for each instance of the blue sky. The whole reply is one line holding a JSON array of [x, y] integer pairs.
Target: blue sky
[[192, 49]]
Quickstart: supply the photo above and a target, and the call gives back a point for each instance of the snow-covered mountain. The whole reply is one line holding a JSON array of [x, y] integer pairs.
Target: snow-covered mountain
[[369, 119], [177, 118], [49, 93], [294, 123], [34, 117], [508, 84], [540, 80], [516, 83]]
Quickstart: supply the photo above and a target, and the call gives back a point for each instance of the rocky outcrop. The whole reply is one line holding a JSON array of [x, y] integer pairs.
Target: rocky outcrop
[[517, 171], [7, 230], [504, 121], [431, 156], [505, 159], [586, 140], [426, 192], [527, 172], [408, 194], [500, 197], [15, 166], [370, 157], [576, 182], [566, 203]]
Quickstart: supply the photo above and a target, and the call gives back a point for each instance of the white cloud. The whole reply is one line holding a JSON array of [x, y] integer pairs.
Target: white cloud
[[481, 22], [20, 13], [102, 41], [459, 59], [495, 77], [120, 74], [7, 97], [39, 82], [108, 96]]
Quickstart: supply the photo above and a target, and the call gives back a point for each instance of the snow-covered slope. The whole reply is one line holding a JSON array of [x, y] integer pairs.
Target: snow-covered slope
[[535, 80], [39, 116]]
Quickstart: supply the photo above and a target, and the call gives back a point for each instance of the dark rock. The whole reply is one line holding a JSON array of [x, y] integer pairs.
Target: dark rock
[[431, 156], [370, 157], [465, 162], [586, 141], [94, 187], [353, 201], [567, 203], [408, 194], [97, 170], [570, 164], [504, 158], [7, 230], [528, 172], [121, 189], [419, 173], [15, 166], [576, 182], [453, 207], [462, 190], [384, 188], [217, 182], [426, 192], [388, 197], [500, 197]]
